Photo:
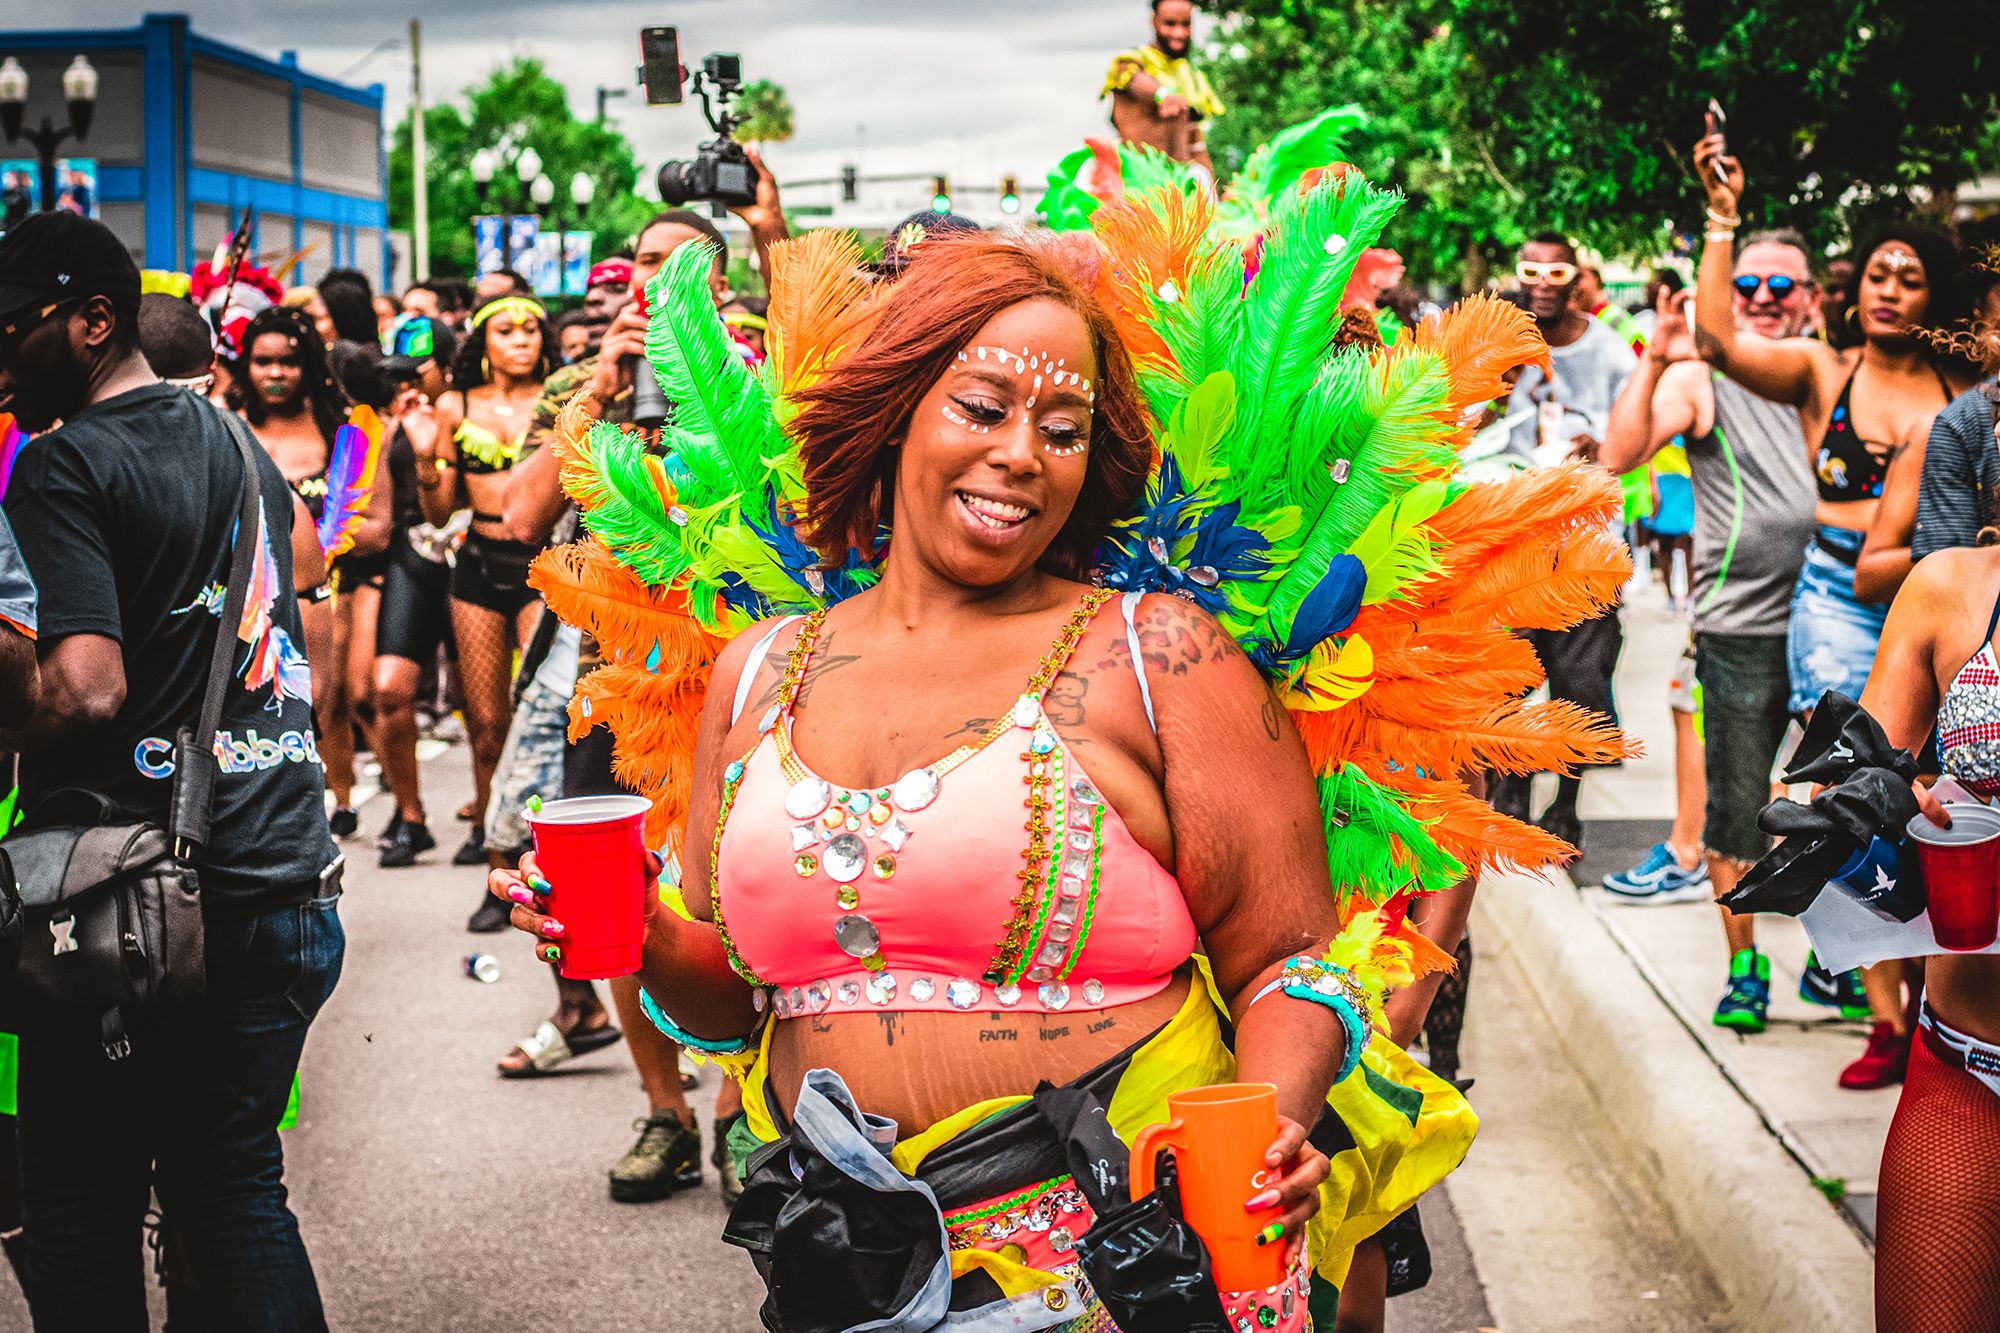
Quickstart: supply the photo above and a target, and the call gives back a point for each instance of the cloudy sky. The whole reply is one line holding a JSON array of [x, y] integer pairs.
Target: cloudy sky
[[967, 87]]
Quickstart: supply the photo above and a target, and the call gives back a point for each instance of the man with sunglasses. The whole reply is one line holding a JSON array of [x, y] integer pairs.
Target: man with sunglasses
[[1558, 417], [1754, 497], [126, 514]]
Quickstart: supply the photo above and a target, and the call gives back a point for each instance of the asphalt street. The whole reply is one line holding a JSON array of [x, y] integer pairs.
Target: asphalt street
[[435, 1195]]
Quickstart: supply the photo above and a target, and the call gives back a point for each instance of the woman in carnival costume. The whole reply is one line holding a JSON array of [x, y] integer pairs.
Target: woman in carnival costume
[[975, 807]]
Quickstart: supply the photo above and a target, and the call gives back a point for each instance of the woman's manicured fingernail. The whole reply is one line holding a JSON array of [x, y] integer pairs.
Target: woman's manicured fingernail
[[1270, 1233], [540, 885], [522, 894], [552, 930], [1261, 1200], [551, 954]]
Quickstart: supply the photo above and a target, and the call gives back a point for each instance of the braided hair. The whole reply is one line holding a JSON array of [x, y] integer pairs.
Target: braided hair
[[316, 384]]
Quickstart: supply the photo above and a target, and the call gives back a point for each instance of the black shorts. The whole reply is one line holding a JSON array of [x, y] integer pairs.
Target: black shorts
[[1580, 661], [357, 571], [1745, 689], [493, 573], [416, 608]]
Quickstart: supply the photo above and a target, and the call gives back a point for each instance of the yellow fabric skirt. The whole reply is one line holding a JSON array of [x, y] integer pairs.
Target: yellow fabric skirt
[[1411, 1129]]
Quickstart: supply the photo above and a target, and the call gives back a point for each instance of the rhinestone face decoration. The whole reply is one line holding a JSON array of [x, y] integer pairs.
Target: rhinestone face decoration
[[845, 858], [915, 790], [961, 993], [856, 935]]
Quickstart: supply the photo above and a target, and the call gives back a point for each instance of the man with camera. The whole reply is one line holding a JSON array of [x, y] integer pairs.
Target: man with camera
[[622, 389], [129, 514]]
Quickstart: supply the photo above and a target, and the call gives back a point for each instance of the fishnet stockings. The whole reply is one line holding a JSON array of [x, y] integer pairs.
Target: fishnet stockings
[[1937, 1246]]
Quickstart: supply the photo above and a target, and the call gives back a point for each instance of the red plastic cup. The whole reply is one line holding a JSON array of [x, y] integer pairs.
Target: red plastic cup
[[592, 850], [1961, 867]]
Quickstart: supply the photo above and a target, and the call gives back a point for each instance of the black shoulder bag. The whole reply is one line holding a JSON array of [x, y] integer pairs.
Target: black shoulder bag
[[109, 909]]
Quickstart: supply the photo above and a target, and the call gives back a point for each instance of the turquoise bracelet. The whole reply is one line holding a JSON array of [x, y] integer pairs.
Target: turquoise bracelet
[[1322, 983], [684, 1037]]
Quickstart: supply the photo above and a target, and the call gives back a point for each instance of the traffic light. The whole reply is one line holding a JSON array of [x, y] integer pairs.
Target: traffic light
[[850, 185], [1010, 195], [940, 195]]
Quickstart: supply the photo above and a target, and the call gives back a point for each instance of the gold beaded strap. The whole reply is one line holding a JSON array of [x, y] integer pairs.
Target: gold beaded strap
[[1008, 955], [1045, 675]]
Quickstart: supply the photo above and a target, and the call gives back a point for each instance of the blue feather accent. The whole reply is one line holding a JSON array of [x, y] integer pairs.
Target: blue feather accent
[[1329, 608]]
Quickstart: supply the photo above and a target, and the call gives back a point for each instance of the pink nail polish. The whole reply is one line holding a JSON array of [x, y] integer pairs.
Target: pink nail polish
[[552, 930], [1261, 1200], [521, 895]]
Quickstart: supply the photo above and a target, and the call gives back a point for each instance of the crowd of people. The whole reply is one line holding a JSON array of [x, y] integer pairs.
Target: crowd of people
[[1250, 855]]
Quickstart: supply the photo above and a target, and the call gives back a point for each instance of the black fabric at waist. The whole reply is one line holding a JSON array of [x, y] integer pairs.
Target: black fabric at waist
[[1841, 545]]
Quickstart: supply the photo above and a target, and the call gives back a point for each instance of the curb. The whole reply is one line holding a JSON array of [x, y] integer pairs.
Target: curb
[[1782, 1255]]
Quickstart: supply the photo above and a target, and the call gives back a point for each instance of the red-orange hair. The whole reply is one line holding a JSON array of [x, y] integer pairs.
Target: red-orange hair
[[850, 416]]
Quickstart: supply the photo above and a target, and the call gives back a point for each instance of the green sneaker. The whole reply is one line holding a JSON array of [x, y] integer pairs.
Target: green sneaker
[[1748, 998], [666, 1158]]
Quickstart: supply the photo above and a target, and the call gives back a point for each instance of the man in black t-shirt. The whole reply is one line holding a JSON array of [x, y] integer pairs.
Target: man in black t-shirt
[[126, 515]]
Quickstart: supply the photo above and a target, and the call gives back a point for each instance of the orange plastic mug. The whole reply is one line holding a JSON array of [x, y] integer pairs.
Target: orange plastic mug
[[1219, 1136]]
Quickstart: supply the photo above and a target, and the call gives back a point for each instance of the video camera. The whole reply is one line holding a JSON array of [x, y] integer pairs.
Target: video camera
[[720, 171]]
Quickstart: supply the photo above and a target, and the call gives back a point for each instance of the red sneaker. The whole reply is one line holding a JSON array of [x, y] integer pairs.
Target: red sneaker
[[1884, 1062]]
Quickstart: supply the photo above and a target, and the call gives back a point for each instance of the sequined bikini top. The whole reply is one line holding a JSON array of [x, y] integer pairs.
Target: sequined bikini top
[[1968, 721], [934, 892], [483, 450]]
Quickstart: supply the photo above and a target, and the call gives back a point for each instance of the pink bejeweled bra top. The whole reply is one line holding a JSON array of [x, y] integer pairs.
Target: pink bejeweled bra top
[[995, 878]]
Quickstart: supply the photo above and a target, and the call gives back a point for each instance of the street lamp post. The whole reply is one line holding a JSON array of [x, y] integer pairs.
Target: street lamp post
[[536, 189], [79, 84]]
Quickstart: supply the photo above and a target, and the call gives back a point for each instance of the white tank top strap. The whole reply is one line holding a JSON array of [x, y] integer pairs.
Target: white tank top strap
[[749, 675], [1129, 603]]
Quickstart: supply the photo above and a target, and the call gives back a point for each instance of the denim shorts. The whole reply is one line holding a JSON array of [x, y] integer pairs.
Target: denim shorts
[[1743, 688], [1831, 642], [531, 764]]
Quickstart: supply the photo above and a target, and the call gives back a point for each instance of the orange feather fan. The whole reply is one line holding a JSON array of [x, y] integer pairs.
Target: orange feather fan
[[819, 305], [654, 680], [1157, 238]]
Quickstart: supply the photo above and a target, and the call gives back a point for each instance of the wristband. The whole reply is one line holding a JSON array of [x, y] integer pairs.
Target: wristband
[[1724, 220], [686, 1038], [1722, 237], [1332, 987]]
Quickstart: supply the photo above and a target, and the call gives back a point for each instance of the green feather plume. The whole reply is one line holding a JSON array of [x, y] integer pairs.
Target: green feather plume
[[726, 409], [1374, 845]]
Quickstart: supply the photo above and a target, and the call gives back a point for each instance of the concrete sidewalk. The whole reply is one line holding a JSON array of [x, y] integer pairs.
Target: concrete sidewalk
[[1745, 1138]]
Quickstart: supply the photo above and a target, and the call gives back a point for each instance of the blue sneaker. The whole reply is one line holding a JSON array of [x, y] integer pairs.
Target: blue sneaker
[[1843, 992], [1660, 878], [1748, 998]]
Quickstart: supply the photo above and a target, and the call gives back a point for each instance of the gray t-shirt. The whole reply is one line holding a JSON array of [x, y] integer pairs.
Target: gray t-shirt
[[1961, 482], [1590, 373], [1753, 514]]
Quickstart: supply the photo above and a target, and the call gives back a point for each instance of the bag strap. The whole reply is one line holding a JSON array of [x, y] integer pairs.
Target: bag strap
[[195, 767]]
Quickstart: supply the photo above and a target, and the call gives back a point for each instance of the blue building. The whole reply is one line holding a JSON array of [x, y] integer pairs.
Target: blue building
[[189, 130]]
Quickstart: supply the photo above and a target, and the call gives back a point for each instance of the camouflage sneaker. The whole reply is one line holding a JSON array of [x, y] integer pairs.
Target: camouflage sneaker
[[666, 1158]]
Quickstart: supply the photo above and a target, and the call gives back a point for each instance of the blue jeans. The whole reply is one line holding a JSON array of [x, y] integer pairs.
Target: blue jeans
[[193, 1114], [1831, 642]]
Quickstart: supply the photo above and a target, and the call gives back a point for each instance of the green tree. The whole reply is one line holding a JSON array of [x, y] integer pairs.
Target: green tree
[[766, 112], [1508, 116], [521, 104]]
